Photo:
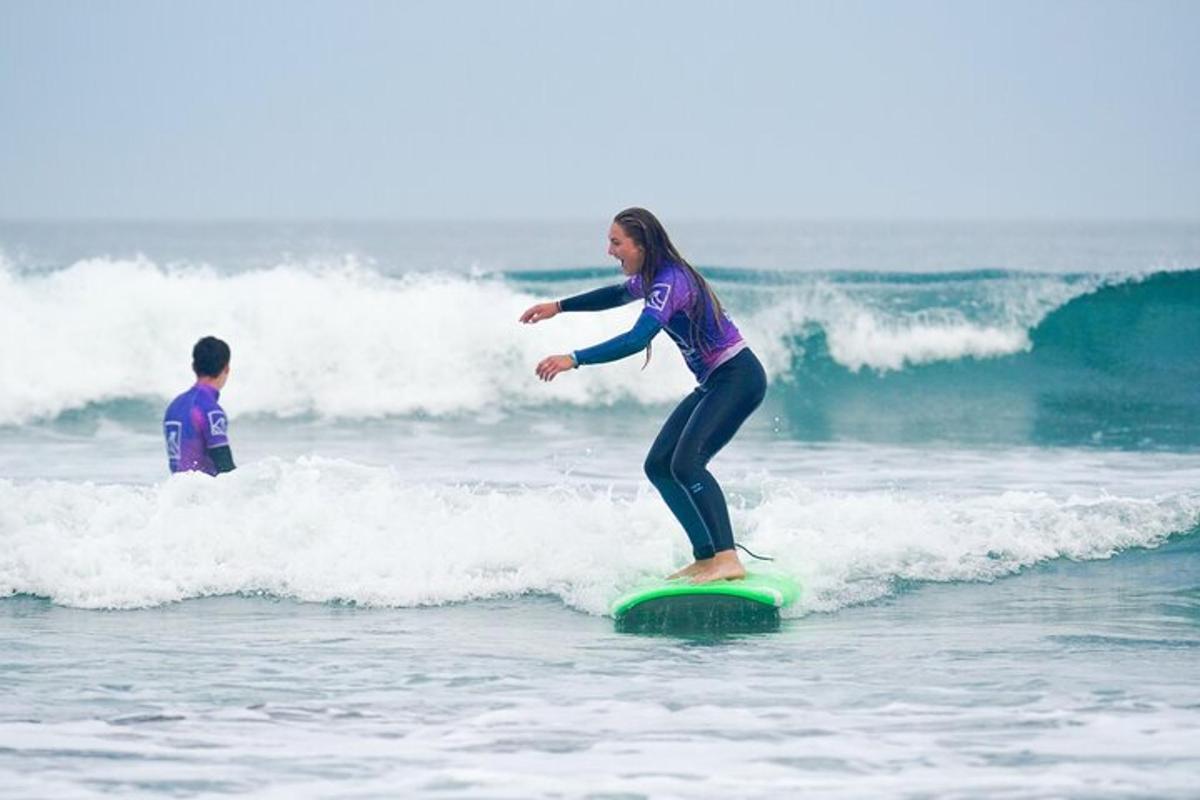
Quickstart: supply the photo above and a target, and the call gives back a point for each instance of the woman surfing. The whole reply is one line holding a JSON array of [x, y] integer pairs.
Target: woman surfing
[[731, 381]]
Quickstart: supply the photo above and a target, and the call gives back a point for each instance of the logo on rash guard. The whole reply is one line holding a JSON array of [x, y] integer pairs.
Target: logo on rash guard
[[657, 299], [217, 423], [174, 432]]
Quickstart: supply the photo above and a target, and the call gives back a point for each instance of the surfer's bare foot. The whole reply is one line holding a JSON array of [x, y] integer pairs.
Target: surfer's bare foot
[[724, 566], [691, 569]]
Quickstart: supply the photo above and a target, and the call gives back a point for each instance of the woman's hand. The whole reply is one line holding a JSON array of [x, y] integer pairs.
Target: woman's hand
[[552, 365], [540, 312]]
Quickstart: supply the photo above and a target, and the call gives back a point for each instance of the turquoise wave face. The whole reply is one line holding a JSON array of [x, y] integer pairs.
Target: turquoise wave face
[[1118, 367]]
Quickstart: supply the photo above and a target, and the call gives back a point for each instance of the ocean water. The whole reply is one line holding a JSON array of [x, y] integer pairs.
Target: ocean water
[[979, 455]]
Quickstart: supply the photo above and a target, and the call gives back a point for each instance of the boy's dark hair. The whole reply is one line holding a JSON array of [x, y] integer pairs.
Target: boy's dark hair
[[210, 356]]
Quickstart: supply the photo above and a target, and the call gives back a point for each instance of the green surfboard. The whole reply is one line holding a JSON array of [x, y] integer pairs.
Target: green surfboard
[[750, 604]]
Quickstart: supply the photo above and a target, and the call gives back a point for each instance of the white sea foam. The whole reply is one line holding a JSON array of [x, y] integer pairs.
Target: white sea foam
[[343, 341], [321, 530], [864, 341], [864, 333], [340, 342]]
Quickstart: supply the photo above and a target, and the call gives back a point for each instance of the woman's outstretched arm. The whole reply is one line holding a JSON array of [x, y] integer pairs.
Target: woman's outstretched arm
[[628, 343], [595, 300], [632, 341]]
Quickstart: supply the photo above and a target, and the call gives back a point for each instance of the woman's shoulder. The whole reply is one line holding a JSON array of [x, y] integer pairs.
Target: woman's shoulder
[[678, 276], [669, 274], [672, 272]]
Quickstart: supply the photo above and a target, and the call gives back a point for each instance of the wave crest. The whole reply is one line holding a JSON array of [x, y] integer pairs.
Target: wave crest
[[968, 357]]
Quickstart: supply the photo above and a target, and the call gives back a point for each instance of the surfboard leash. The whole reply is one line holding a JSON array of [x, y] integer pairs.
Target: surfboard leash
[[752, 554]]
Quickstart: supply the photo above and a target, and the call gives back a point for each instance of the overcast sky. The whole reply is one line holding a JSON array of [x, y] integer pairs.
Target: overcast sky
[[1025, 110]]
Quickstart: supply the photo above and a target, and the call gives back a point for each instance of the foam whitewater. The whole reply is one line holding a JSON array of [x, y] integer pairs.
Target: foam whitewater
[[333, 531], [1090, 358]]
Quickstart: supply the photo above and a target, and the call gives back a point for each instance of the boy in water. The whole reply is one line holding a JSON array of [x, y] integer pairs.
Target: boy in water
[[195, 426]]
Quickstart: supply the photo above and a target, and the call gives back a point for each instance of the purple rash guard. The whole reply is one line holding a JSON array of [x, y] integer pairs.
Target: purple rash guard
[[193, 425], [670, 301]]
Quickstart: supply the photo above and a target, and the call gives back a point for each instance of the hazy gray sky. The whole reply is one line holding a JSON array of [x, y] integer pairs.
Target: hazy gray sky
[[571, 109]]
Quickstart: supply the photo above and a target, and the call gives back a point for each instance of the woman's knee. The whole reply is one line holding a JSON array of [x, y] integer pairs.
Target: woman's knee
[[686, 468], [658, 467]]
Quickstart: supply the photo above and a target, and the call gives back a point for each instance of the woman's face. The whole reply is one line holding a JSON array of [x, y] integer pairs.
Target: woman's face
[[628, 252]]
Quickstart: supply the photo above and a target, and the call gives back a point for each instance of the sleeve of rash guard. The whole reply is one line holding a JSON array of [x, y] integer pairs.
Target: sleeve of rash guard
[[628, 343], [669, 295], [222, 458], [216, 427], [598, 299]]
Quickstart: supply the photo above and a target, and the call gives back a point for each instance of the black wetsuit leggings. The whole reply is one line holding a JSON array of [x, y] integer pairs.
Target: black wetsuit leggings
[[703, 423]]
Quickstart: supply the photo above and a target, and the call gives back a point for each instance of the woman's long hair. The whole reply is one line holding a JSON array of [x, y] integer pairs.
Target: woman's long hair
[[647, 232]]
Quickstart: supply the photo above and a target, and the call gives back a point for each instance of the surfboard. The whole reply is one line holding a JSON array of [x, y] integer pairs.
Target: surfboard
[[750, 604]]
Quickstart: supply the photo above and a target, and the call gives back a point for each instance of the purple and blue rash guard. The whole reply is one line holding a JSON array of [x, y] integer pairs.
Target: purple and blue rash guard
[[674, 302], [196, 431]]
